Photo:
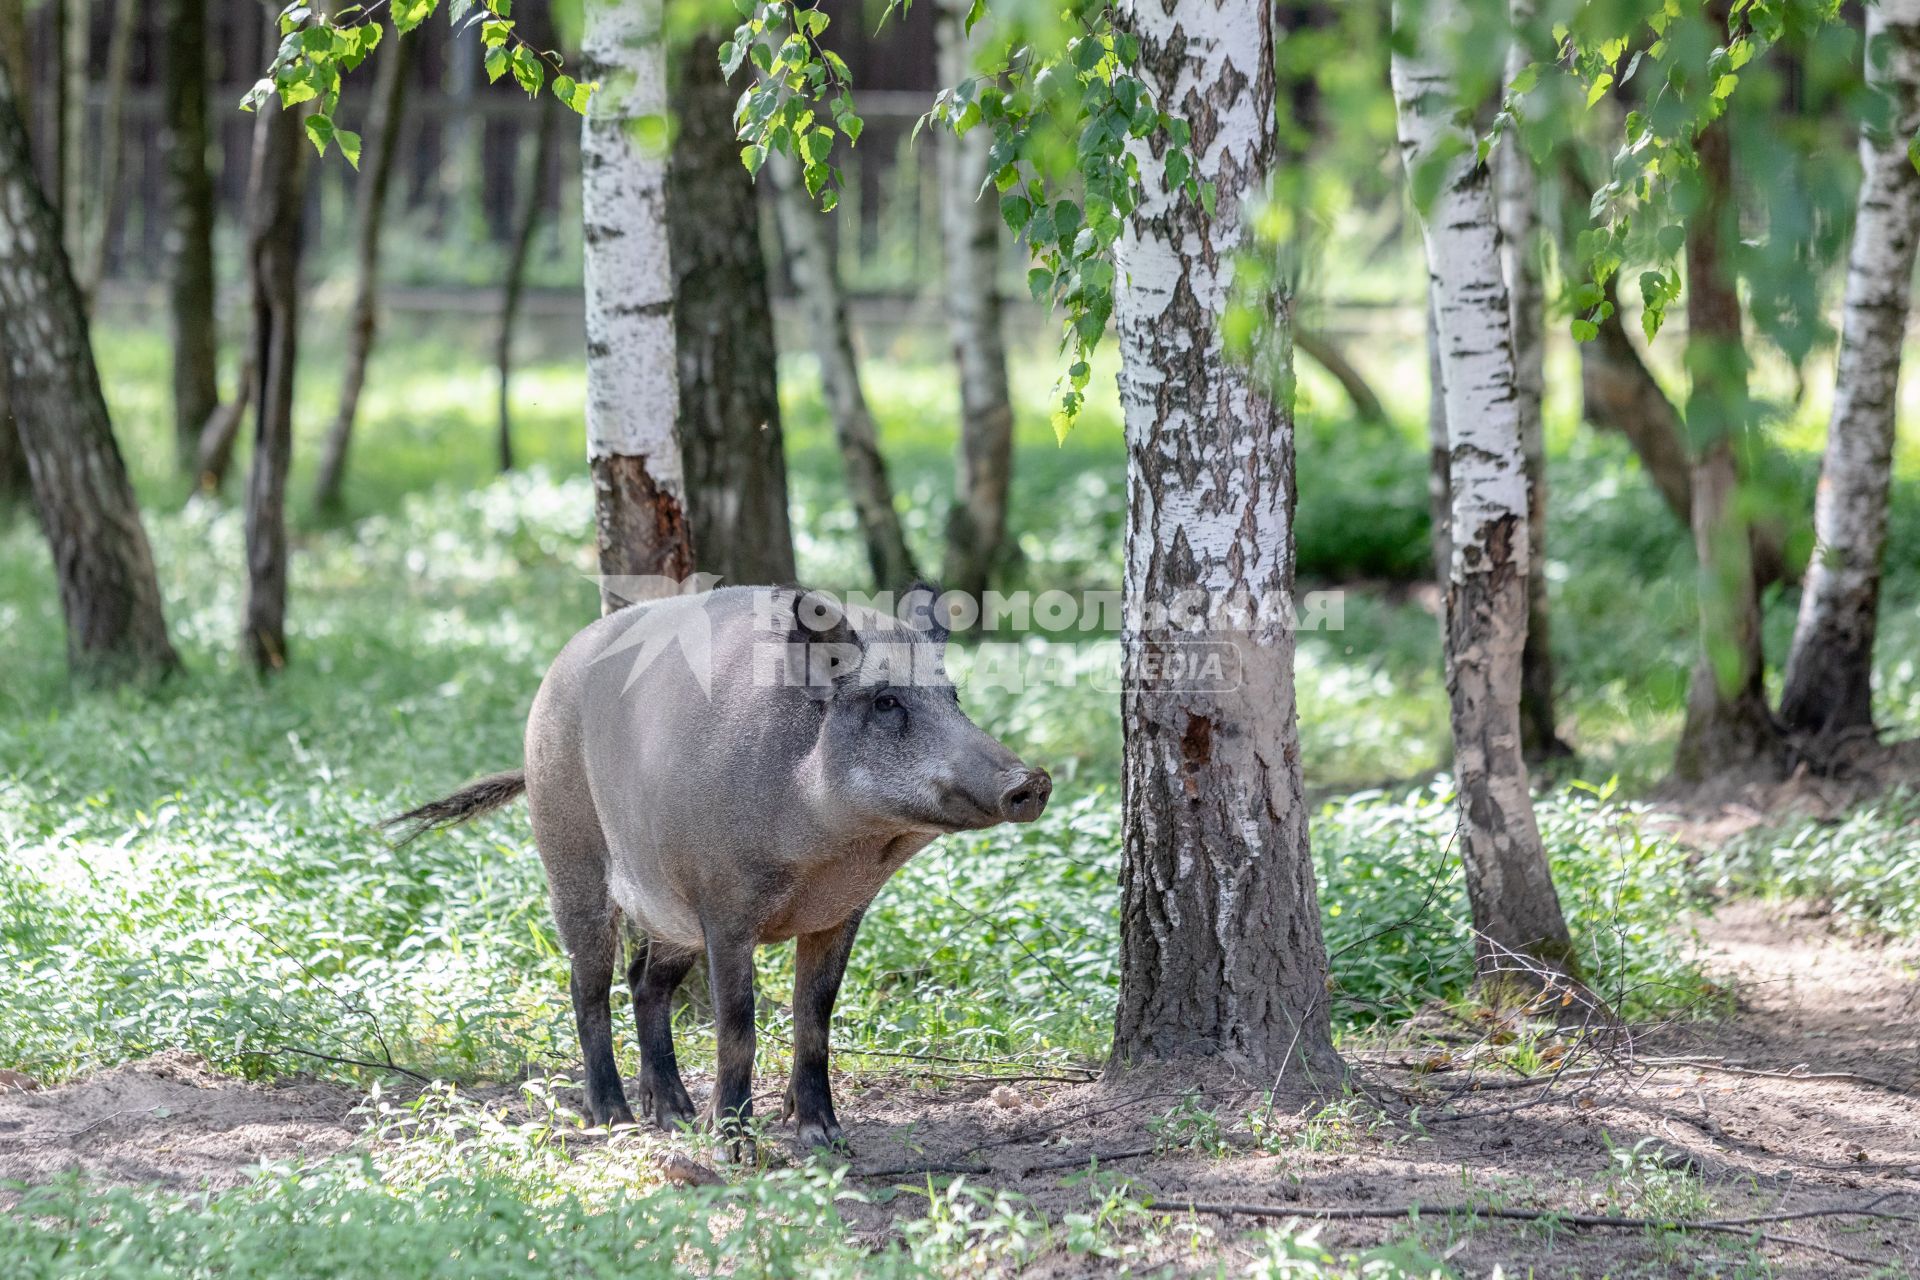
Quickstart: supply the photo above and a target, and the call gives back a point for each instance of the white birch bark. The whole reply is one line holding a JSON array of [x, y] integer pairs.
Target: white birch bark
[[1829, 685], [632, 382], [1221, 951], [1516, 912], [1518, 203]]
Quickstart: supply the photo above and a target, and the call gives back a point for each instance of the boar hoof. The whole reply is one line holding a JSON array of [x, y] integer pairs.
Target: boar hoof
[[669, 1106], [823, 1136], [611, 1116]]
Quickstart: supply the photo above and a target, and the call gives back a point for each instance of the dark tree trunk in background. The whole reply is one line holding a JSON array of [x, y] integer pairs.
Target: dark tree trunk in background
[[970, 230], [69, 177], [803, 233], [383, 131], [16, 486], [526, 221], [275, 195], [730, 437], [1326, 353], [108, 589], [189, 244], [113, 131], [1829, 679], [1727, 726], [1221, 953]]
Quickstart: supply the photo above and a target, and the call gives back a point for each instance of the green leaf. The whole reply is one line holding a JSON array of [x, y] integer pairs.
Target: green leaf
[[1015, 209], [319, 131], [349, 145], [753, 157], [853, 126], [496, 63], [494, 33], [573, 93], [1040, 283], [408, 14], [529, 70], [1584, 330]]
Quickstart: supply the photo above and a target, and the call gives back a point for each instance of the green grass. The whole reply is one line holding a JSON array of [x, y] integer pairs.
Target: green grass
[[195, 866]]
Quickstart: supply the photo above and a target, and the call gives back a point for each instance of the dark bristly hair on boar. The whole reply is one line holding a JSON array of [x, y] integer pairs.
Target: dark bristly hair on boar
[[484, 796]]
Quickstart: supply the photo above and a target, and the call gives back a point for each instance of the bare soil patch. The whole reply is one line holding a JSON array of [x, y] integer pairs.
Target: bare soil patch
[[1806, 1102]]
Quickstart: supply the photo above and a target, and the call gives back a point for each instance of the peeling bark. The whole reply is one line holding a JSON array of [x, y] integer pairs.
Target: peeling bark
[[1221, 953], [729, 367], [276, 193], [108, 589], [1727, 726], [1520, 933], [810, 260], [389, 95], [632, 387], [970, 230], [1829, 676], [189, 241]]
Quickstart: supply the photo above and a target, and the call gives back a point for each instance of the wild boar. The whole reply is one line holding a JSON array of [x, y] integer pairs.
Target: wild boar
[[717, 772]]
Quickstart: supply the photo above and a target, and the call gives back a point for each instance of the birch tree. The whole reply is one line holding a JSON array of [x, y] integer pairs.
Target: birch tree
[[1516, 912], [633, 399], [1518, 208], [1829, 675], [101, 558], [970, 231], [1221, 951]]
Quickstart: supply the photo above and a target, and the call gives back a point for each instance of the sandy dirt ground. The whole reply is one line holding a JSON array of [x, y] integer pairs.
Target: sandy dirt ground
[[1804, 1104]]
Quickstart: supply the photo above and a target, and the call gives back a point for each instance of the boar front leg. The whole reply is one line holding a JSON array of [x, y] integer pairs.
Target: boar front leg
[[820, 962], [653, 976], [730, 977]]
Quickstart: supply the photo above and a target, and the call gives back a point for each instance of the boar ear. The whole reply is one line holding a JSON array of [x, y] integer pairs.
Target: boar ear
[[822, 646], [920, 609]]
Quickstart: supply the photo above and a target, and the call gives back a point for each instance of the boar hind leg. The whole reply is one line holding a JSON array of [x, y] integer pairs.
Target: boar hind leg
[[653, 976], [820, 961], [730, 973]]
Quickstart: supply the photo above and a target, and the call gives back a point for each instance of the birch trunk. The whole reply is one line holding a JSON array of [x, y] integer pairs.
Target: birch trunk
[[1518, 204], [1829, 678], [1520, 934], [729, 366], [1221, 952], [108, 589], [189, 241], [640, 511], [389, 95], [1439, 485], [276, 194], [1727, 727], [970, 230], [526, 220], [810, 260]]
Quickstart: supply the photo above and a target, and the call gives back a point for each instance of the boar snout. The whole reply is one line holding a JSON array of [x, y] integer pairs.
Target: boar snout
[[1025, 797]]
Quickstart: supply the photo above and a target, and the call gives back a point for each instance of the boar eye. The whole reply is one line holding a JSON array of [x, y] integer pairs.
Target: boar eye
[[886, 702]]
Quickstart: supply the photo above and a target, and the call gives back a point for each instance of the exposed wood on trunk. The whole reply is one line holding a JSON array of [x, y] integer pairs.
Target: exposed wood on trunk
[[276, 192], [525, 222], [632, 387], [803, 235], [1829, 676], [1326, 353], [113, 130], [723, 324], [188, 197], [1727, 726], [376, 177], [108, 589], [970, 233], [1221, 952], [1521, 935]]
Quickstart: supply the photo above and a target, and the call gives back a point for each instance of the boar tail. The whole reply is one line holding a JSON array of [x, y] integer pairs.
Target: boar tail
[[470, 801]]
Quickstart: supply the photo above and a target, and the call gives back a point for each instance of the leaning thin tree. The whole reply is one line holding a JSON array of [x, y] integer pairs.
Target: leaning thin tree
[[1221, 953], [1829, 680], [1520, 933]]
